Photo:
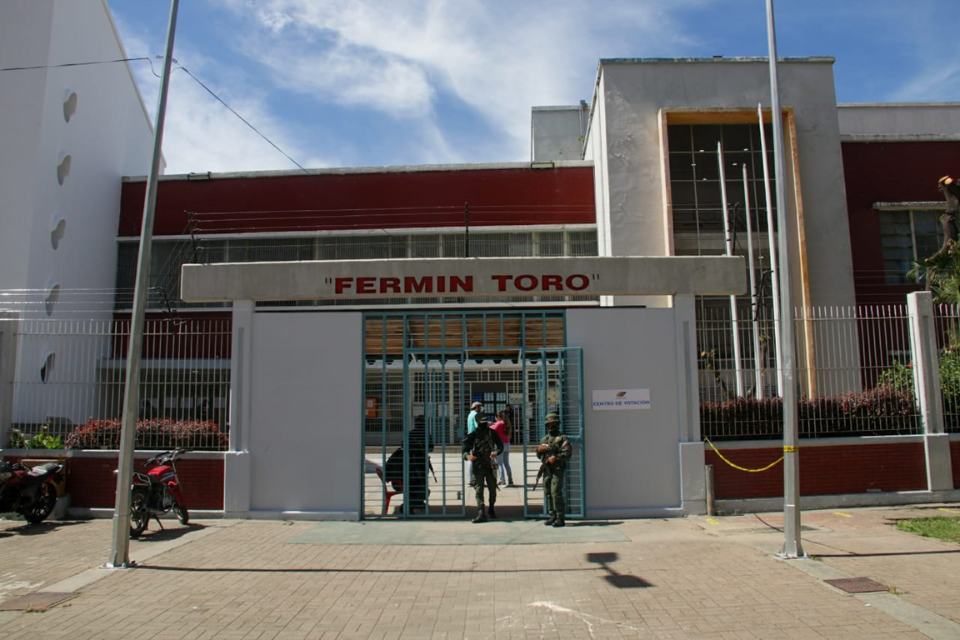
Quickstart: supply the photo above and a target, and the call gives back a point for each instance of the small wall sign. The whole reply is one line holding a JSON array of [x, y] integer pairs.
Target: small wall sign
[[621, 399]]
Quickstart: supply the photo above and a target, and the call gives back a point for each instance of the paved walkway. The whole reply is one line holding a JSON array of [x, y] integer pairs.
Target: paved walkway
[[683, 578]]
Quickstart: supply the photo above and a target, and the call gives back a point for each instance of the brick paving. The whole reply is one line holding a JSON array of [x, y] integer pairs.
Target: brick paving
[[681, 578]]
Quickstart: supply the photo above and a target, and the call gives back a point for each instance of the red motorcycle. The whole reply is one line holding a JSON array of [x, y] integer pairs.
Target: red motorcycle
[[157, 492], [30, 492]]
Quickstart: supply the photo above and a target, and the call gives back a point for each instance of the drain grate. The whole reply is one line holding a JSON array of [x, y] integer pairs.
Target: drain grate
[[40, 601], [857, 585]]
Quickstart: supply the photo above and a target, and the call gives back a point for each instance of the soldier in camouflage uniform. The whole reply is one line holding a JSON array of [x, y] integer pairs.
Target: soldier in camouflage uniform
[[554, 452], [482, 448]]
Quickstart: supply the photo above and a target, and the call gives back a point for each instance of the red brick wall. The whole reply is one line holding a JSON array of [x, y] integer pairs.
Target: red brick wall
[[955, 462], [91, 483], [831, 470]]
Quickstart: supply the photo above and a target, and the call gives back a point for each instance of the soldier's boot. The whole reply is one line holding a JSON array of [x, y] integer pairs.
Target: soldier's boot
[[559, 522], [549, 521], [481, 516], [491, 512]]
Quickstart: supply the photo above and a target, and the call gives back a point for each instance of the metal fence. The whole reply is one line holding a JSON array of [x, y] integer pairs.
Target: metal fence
[[853, 375], [69, 378], [948, 351]]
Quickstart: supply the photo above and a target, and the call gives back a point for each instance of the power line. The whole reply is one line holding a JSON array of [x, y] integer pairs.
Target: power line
[[242, 119], [184, 69], [73, 64]]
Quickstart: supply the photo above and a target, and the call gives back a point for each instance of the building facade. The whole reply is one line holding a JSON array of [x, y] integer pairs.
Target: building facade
[[670, 160]]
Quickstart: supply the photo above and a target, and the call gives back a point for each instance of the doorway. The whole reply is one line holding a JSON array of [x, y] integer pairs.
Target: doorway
[[425, 369]]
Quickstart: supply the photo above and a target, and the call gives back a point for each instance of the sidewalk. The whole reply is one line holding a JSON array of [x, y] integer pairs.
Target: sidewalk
[[683, 578]]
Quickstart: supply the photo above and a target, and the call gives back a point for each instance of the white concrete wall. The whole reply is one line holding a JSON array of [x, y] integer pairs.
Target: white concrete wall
[[630, 98], [306, 411], [24, 41], [633, 458], [930, 121], [108, 135], [301, 429]]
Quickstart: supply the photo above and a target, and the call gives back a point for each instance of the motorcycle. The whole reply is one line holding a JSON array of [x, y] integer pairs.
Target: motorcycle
[[30, 492], [157, 492]]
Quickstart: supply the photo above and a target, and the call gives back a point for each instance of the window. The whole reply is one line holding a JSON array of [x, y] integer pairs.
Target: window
[[695, 183], [906, 236]]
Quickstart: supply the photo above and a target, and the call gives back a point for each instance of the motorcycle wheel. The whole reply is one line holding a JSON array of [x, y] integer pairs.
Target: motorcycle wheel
[[181, 512], [43, 505], [139, 517]]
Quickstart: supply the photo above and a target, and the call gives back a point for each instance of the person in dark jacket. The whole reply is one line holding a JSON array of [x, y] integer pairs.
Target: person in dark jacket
[[419, 466], [481, 448]]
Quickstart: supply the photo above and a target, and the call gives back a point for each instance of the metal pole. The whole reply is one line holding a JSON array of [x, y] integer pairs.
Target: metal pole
[[711, 496], [791, 470], [772, 244], [728, 237], [466, 229], [119, 551], [754, 298]]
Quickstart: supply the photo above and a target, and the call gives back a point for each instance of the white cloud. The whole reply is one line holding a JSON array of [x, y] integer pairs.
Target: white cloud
[[403, 58], [200, 134]]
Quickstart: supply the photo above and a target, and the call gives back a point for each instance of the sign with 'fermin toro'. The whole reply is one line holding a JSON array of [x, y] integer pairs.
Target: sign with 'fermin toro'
[[463, 278]]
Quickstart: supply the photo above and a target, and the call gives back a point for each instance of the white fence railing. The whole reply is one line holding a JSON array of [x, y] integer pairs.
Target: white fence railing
[[855, 374], [68, 379]]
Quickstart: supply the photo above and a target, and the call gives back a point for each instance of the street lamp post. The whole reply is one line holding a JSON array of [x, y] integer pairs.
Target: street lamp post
[[788, 390], [119, 551]]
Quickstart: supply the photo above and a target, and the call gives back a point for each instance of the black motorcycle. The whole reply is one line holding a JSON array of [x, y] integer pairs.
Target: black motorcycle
[[30, 492]]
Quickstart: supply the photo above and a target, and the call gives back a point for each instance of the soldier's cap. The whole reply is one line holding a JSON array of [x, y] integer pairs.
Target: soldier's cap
[[476, 404], [552, 417]]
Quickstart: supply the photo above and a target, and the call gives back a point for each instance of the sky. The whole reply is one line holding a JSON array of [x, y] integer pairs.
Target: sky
[[354, 83]]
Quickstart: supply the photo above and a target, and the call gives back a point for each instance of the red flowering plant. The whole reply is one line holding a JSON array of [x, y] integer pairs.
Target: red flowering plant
[[151, 433]]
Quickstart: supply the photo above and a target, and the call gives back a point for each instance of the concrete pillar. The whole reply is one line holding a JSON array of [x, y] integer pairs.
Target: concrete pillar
[[926, 374], [9, 323], [236, 462], [692, 458]]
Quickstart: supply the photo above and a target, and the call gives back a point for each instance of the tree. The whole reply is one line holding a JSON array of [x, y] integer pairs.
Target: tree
[[941, 271]]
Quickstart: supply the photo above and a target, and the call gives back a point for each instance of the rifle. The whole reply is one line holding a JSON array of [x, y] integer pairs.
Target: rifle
[[545, 471]]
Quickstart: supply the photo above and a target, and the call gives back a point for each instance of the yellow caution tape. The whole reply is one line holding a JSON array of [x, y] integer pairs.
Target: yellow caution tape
[[947, 510], [840, 513], [789, 449], [739, 468], [712, 521]]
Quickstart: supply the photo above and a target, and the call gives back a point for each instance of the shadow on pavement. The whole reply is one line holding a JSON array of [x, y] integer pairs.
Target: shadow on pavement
[[887, 553], [618, 580], [157, 567], [166, 534], [27, 529]]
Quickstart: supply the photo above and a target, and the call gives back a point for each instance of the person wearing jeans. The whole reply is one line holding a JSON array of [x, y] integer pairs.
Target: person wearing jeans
[[504, 429]]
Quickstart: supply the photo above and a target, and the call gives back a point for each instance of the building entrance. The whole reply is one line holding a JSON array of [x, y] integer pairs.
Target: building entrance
[[421, 373]]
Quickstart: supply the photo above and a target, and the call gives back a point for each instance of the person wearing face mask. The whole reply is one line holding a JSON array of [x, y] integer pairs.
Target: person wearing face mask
[[481, 449], [554, 452]]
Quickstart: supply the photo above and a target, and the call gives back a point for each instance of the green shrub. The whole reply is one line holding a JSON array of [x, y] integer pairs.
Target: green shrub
[[43, 440]]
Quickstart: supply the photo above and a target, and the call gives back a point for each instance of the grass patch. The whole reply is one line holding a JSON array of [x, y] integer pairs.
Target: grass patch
[[941, 527]]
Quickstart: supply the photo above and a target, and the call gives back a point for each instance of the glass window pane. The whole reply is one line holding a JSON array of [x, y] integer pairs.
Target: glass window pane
[[679, 137], [681, 166]]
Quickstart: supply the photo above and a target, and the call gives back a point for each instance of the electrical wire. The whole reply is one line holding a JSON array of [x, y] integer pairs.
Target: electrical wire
[[73, 64], [242, 119]]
